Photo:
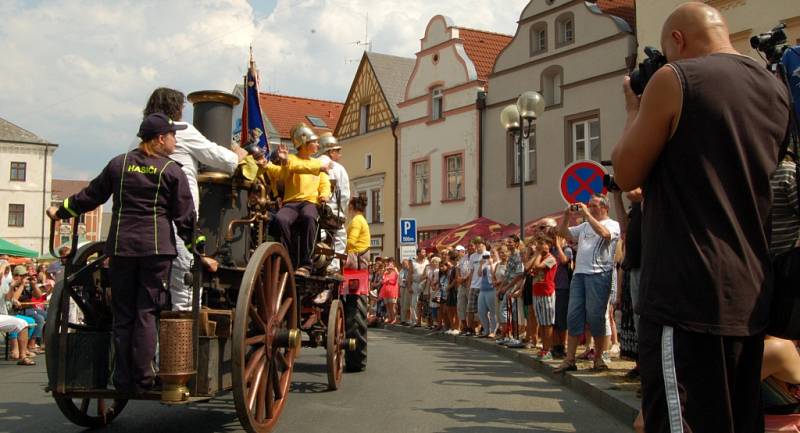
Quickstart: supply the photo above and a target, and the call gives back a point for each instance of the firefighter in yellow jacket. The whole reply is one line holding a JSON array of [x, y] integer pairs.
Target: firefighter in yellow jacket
[[297, 219]]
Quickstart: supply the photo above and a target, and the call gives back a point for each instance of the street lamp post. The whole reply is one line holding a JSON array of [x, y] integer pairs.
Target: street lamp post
[[518, 119]]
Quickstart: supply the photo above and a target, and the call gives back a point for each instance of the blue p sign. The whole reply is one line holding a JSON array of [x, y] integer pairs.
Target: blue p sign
[[408, 231]]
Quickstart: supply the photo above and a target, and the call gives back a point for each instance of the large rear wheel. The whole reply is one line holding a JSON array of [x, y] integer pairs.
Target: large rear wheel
[[355, 316], [266, 338], [84, 412]]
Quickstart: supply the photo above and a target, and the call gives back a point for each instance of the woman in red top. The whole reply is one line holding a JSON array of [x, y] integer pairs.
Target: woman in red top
[[390, 290]]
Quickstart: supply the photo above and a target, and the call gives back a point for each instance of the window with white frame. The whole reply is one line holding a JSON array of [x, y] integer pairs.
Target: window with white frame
[[363, 119], [437, 104], [422, 181], [565, 29], [585, 136], [538, 38], [529, 158], [454, 166]]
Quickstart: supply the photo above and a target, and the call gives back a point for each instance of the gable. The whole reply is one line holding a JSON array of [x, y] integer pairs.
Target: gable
[[365, 90]]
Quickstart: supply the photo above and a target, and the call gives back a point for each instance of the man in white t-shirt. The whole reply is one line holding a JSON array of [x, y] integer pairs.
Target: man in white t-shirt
[[474, 278], [590, 288]]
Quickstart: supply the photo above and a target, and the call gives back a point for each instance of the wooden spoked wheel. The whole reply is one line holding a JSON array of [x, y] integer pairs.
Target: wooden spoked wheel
[[335, 344], [84, 412], [266, 338]]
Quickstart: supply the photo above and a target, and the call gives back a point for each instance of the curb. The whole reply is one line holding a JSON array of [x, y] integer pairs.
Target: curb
[[600, 390]]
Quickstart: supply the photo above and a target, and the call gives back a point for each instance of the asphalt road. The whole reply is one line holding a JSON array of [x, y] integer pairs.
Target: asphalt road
[[412, 384]]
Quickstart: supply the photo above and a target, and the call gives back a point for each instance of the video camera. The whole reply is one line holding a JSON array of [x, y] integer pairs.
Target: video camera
[[640, 77], [771, 43]]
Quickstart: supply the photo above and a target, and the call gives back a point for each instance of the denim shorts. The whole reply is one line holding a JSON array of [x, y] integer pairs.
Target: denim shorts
[[588, 303]]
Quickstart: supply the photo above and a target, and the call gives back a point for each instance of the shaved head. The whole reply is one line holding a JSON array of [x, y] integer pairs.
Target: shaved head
[[695, 29]]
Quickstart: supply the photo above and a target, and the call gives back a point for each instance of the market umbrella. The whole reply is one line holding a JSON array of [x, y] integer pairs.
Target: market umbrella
[[12, 249], [483, 227], [511, 229]]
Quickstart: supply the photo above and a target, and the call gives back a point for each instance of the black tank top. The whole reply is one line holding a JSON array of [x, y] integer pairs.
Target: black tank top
[[705, 257]]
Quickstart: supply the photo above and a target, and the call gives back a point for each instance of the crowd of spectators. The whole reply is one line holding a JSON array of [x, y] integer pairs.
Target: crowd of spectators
[[525, 294], [24, 293]]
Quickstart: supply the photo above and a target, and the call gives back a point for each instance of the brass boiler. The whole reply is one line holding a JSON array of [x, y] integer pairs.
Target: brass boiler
[[175, 355], [222, 200]]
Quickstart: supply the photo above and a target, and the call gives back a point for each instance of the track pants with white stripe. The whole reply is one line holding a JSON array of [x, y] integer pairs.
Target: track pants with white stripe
[[693, 382]]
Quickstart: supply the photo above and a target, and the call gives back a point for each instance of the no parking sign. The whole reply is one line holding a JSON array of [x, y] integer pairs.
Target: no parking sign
[[581, 180]]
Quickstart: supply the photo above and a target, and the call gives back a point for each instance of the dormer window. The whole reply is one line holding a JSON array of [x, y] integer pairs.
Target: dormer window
[[565, 29], [437, 104]]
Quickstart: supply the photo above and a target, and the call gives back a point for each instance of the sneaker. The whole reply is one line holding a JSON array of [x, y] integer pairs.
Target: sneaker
[[502, 341], [614, 351], [513, 343], [548, 356]]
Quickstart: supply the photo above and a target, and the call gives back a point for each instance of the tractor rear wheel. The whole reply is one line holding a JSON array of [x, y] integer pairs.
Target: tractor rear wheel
[[355, 318]]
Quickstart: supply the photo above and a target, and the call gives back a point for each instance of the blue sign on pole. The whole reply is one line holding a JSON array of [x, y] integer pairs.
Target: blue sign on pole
[[408, 231]]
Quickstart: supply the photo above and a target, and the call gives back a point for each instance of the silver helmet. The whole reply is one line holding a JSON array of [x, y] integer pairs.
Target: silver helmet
[[302, 135], [328, 142]]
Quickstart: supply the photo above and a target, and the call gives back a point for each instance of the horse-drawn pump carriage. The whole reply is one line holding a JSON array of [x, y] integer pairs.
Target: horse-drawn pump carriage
[[244, 331]]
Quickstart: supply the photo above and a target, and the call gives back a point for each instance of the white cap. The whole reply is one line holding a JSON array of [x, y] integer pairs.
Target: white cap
[[460, 248], [487, 254]]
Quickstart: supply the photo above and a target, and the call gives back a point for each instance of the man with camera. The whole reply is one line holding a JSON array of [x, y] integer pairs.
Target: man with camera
[[702, 142], [590, 287]]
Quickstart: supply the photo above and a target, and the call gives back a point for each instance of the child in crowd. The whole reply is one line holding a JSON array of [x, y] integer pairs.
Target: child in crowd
[[544, 286]]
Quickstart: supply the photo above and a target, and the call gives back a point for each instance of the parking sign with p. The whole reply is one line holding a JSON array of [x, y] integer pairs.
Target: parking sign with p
[[408, 231]]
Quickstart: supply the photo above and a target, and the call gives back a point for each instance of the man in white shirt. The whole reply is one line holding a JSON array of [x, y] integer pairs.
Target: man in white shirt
[[340, 196], [192, 150], [474, 279], [590, 288]]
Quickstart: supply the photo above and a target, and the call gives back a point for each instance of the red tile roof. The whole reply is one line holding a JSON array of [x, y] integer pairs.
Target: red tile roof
[[286, 111], [482, 48], [65, 188], [625, 9]]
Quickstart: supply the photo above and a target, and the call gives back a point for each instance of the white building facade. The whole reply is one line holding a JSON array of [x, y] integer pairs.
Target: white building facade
[[26, 165], [575, 54], [439, 129]]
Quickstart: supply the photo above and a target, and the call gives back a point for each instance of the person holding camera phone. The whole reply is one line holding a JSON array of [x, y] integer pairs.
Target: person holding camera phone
[[590, 288], [702, 142]]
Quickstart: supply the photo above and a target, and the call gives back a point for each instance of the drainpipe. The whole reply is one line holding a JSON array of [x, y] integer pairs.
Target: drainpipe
[[480, 105], [44, 197], [396, 221]]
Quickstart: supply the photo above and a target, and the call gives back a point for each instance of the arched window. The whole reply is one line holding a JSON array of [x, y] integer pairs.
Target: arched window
[[538, 38], [565, 29], [552, 80]]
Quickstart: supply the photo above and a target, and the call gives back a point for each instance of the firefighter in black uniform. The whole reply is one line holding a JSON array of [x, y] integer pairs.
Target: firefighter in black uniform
[[150, 193]]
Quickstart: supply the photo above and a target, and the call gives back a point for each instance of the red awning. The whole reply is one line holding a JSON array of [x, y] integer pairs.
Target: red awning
[[461, 235]]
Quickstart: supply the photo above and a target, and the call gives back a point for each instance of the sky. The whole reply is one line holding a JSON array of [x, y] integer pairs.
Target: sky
[[78, 72]]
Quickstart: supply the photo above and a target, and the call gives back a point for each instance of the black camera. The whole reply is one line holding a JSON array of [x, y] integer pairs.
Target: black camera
[[640, 77], [771, 43], [608, 180]]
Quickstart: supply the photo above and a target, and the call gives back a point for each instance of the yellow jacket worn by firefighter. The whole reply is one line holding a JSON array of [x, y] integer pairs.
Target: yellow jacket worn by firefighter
[[296, 221]]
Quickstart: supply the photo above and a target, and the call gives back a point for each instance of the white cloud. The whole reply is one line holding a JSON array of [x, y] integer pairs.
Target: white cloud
[[78, 72]]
